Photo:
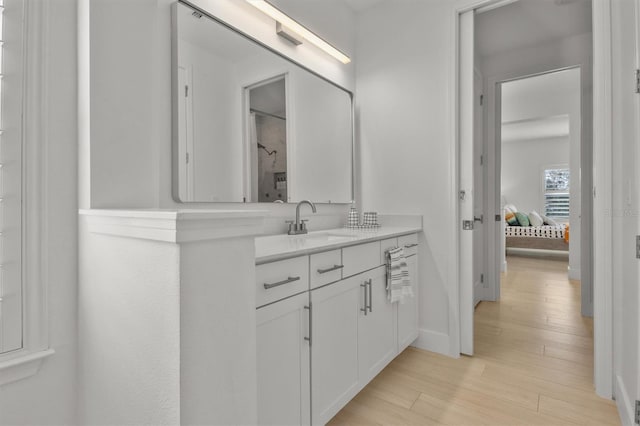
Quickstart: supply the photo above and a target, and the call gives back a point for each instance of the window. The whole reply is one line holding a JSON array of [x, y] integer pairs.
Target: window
[[10, 176], [557, 184], [24, 333]]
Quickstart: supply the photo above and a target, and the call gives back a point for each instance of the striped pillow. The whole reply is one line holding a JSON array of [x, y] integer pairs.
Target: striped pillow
[[510, 217]]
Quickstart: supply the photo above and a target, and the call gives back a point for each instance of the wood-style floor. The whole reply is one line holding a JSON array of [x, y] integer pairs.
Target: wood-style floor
[[533, 364]]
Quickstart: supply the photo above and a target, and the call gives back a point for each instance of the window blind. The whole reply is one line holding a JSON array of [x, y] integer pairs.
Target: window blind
[[556, 192], [11, 235]]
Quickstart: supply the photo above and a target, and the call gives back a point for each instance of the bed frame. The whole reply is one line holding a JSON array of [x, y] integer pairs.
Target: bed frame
[[537, 243]]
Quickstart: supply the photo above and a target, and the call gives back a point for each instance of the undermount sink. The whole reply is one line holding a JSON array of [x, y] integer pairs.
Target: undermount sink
[[323, 236]]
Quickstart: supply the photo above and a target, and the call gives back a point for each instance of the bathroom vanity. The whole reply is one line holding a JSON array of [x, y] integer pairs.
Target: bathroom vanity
[[325, 327], [187, 313]]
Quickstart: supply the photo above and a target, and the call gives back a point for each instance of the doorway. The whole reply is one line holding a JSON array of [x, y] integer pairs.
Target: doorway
[[464, 91], [267, 140]]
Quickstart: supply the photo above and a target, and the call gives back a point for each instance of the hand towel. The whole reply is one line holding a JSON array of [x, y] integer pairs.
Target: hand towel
[[398, 280]]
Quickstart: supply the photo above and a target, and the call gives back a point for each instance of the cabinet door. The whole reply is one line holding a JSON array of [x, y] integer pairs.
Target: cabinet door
[[283, 362], [377, 329], [334, 348], [408, 311]]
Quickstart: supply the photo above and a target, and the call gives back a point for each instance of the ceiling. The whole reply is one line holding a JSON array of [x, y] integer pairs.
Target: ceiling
[[529, 23], [534, 107]]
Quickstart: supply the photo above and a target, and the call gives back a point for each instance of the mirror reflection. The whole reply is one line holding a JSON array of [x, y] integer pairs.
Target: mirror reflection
[[251, 126]]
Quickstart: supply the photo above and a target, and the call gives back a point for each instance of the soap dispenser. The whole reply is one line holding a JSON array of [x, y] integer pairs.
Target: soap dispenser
[[353, 219]]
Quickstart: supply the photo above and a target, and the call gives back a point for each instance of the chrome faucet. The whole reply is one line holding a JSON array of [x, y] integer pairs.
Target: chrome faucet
[[299, 226]]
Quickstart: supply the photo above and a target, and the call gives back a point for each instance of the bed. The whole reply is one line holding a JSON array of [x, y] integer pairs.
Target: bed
[[544, 237]]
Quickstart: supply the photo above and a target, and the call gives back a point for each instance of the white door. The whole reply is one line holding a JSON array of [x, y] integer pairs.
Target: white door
[[408, 311], [376, 325], [334, 347], [185, 136], [466, 177], [479, 252], [283, 362]]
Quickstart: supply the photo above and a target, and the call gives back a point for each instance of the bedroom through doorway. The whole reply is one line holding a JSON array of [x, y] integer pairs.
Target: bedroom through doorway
[[534, 59]]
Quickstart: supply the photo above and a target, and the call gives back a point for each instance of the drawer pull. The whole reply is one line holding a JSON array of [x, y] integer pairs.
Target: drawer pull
[[333, 268], [267, 286], [410, 245]]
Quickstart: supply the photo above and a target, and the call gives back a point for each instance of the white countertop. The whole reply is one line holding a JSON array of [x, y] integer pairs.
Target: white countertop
[[175, 225], [277, 247]]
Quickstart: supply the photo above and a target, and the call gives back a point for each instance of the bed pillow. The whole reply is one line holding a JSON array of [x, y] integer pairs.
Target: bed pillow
[[548, 221], [535, 219], [523, 219], [511, 207], [511, 219]]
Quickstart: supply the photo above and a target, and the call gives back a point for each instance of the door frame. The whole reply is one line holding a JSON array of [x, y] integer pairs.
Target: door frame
[[494, 102], [602, 184]]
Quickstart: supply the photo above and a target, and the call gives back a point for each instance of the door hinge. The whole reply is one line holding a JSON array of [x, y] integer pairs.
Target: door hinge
[[481, 160], [481, 99], [481, 278], [637, 419], [637, 246], [638, 81], [187, 158], [186, 91]]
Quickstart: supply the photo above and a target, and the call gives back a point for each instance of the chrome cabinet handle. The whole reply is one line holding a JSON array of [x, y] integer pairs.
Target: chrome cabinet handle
[[410, 245], [370, 295], [333, 268], [365, 299], [308, 308], [267, 286]]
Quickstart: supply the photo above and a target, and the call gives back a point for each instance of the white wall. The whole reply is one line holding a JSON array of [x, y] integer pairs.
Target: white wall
[[626, 210], [523, 163], [49, 397], [403, 118]]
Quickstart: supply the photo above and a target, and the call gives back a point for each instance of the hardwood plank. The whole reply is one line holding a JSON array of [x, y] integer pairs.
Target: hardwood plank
[[533, 364]]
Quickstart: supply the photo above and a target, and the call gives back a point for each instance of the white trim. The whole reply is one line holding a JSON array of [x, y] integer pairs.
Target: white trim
[[176, 226], [25, 365], [433, 341], [602, 204], [26, 362], [625, 408]]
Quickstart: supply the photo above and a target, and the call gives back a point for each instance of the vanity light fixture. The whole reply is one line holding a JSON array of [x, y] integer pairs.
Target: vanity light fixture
[[289, 23]]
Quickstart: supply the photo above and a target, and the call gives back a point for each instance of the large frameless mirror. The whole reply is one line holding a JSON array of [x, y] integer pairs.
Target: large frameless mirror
[[250, 125]]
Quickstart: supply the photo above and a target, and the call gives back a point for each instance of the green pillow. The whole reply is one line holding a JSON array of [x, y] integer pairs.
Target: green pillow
[[523, 219]]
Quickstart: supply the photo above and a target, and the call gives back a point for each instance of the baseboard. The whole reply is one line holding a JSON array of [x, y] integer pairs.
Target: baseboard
[[504, 266], [432, 341], [537, 252], [574, 274], [625, 408]]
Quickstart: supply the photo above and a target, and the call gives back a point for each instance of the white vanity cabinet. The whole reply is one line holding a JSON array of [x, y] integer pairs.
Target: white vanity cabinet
[[376, 325], [334, 350], [283, 362], [283, 339], [326, 328]]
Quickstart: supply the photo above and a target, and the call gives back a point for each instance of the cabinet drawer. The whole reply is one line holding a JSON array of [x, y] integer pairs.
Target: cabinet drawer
[[325, 268], [277, 280], [360, 258], [385, 245], [410, 244]]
